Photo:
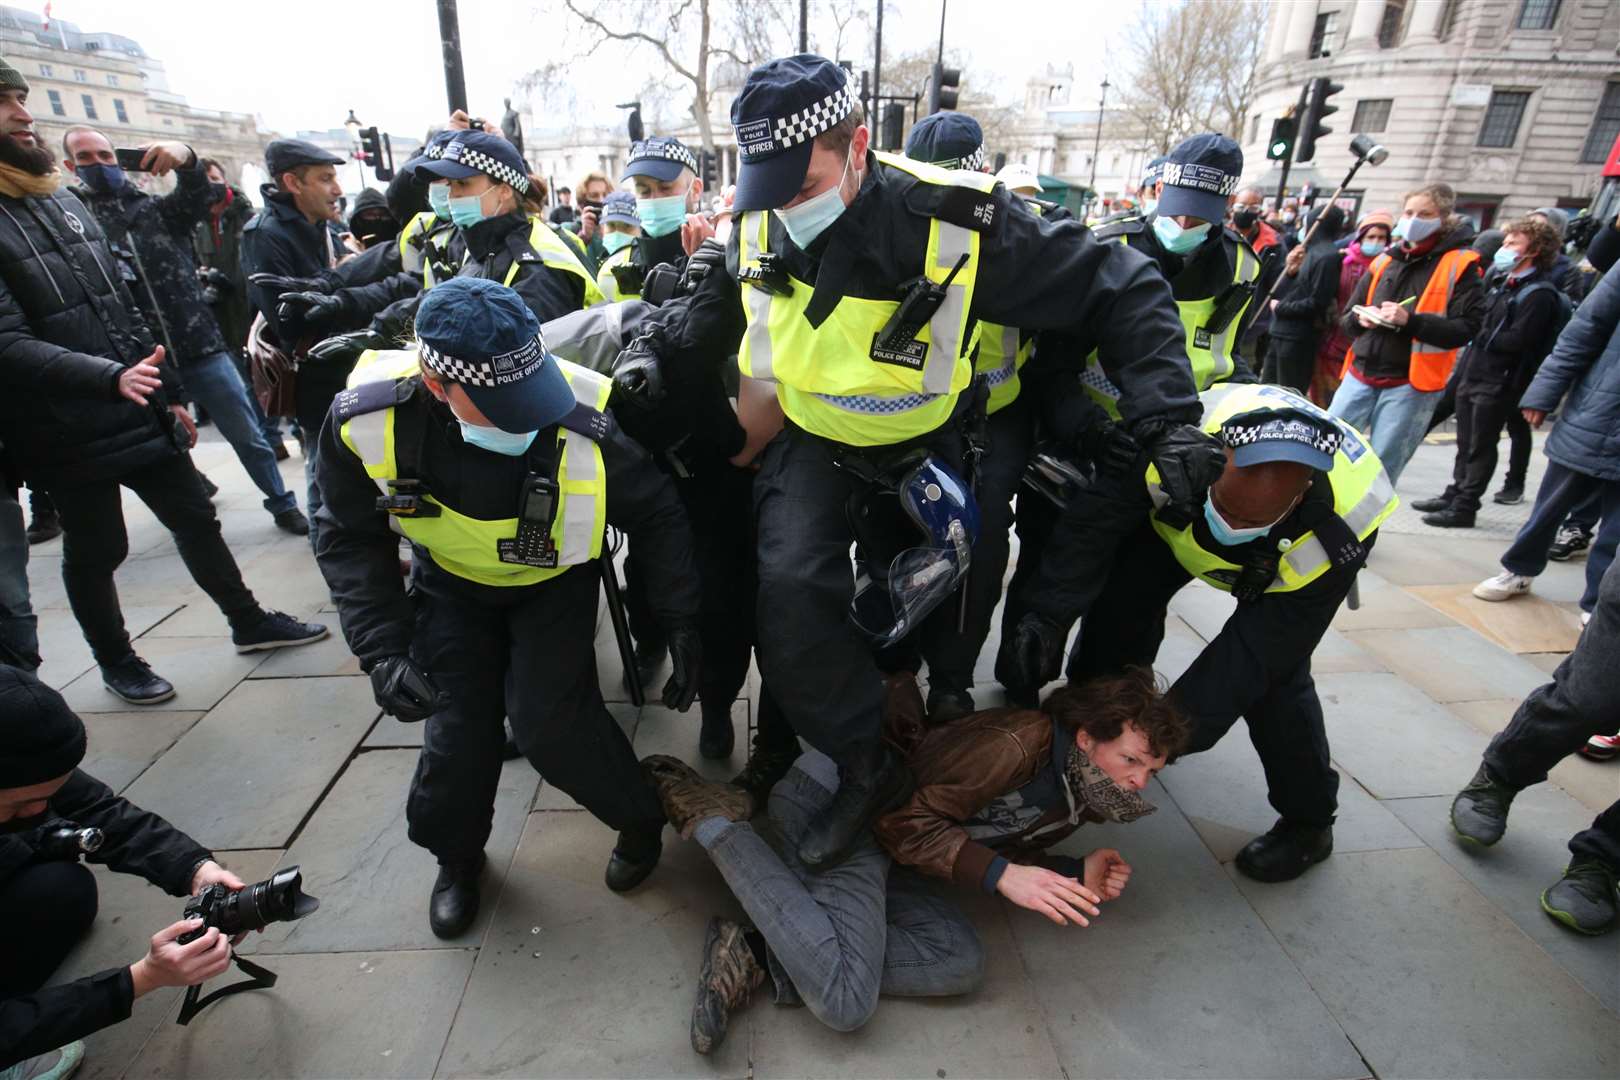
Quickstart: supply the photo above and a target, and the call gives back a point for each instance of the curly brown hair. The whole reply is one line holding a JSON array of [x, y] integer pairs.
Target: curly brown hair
[[1102, 707], [1541, 240]]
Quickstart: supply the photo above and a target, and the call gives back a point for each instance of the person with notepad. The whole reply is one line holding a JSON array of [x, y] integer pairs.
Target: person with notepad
[[1420, 302]]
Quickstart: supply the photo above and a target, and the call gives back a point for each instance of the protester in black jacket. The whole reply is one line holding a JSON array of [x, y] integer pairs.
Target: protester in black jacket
[[151, 236], [48, 900], [1301, 315], [61, 306]]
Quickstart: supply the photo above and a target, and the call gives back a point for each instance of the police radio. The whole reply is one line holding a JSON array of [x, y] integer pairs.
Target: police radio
[[1231, 302], [537, 508], [768, 275], [922, 300]]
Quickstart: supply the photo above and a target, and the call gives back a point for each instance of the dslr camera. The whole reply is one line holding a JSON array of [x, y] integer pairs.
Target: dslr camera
[[279, 898], [215, 284]]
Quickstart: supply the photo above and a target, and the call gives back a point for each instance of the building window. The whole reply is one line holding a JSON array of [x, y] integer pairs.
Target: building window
[[1605, 127], [1371, 115], [118, 107], [1254, 127], [1389, 27], [1538, 14], [167, 122], [80, 76], [45, 71], [1502, 117], [1479, 209], [89, 106], [1322, 34], [112, 80], [56, 103]]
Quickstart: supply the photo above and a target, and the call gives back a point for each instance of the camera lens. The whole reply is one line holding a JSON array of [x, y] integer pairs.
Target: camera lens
[[278, 899]]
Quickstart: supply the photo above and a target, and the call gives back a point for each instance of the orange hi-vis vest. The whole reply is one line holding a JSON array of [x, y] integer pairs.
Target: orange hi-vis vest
[[1431, 365]]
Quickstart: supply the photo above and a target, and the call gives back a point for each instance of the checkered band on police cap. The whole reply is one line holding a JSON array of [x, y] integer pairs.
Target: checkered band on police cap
[[499, 370], [972, 162], [433, 151], [1287, 427], [462, 154], [767, 137], [662, 150]]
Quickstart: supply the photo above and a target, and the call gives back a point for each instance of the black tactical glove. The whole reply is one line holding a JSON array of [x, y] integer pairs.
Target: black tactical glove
[[686, 660], [710, 257], [637, 378], [1035, 654], [404, 690], [287, 284], [1189, 460], [311, 309], [345, 348], [1109, 446]]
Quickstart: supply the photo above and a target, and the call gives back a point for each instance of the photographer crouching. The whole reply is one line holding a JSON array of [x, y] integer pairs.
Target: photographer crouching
[[51, 812]]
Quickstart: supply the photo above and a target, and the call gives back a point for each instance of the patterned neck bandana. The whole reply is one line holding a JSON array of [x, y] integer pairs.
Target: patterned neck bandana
[[1094, 790]]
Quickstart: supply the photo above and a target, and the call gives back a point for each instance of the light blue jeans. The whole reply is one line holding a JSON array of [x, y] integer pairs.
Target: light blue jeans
[[19, 629], [216, 384], [1394, 418], [839, 938]]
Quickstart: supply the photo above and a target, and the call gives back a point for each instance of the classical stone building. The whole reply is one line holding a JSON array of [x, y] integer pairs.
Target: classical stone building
[[1516, 103]]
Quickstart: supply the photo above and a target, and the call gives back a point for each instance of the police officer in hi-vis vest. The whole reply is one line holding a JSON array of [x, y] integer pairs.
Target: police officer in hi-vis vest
[[1285, 529], [853, 290], [497, 462]]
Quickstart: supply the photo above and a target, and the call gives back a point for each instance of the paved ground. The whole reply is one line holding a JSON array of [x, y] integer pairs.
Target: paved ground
[[1401, 956]]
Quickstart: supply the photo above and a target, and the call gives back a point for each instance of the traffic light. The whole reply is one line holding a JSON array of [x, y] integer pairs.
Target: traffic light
[[371, 152], [943, 88], [1316, 110], [894, 127], [1283, 130], [709, 170]]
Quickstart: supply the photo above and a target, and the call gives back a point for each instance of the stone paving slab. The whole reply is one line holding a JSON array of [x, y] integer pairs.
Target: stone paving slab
[[1204, 608], [329, 656], [1513, 873], [1181, 646], [131, 912], [1396, 742], [1451, 663], [605, 981], [250, 772], [373, 883], [1385, 606], [1223, 793], [67, 654], [1527, 624], [202, 669], [1392, 942], [1169, 979], [122, 745], [1430, 559], [347, 1015], [665, 731], [997, 1032]]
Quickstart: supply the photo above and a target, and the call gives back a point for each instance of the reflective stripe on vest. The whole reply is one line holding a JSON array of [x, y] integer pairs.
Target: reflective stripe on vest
[[435, 235], [467, 546], [1209, 354], [827, 381], [1000, 357], [555, 253], [1362, 493], [1431, 364], [610, 284]]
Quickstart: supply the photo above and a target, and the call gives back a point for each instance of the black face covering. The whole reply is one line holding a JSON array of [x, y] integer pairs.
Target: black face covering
[[1244, 217], [217, 193]]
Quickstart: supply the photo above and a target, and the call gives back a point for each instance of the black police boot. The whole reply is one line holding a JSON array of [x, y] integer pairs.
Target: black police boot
[[454, 903], [765, 767], [945, 705], [634, 857], [134, 680], [1452, 517], [45, 525], [871, 782], [1584, 899], [716, 739], [1285, 852], [1429, 506], [1479, 813]]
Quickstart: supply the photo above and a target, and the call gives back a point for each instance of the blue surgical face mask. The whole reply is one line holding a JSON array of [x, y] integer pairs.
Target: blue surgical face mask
[[439, 200], [495, 440], [1505, 258], [1149, 206], [1371, 248], [1225, 534], [662, 216], [616, 241], [1175, 238], [1415, 230], [468, 210], [102, 179], [811, 218]]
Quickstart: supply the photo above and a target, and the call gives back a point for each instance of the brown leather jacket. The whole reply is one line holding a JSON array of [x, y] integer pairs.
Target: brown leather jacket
[[988, 776]]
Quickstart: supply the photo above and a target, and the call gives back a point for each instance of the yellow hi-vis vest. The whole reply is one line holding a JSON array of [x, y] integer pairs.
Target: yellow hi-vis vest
[[422, 232], [466, 546], [555, 253], [610, 284], [1003, 352], [827, 379], [1362, 493], [1210, 354]]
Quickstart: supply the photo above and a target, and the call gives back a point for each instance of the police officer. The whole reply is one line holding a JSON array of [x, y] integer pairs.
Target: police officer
[[1285, 529], [621, 228], [853, 285], [496, 461]]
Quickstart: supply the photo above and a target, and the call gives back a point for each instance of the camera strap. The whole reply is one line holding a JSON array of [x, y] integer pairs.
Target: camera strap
[[258, 978]]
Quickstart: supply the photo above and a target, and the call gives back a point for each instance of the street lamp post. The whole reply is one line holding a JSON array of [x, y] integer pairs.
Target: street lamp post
[[1096, 145], [352, 125]]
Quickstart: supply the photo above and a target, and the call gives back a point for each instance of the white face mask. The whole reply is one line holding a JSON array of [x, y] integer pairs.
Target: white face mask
[[811, 218]]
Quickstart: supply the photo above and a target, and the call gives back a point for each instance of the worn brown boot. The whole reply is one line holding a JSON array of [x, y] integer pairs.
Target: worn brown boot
[[688, 797], [730, 973]]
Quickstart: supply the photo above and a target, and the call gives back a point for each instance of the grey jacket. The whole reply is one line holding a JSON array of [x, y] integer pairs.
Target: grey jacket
[[1584, 373]]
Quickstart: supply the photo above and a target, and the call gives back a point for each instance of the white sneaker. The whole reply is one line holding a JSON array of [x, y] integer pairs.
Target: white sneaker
[[1586, 617], [1504, 586]]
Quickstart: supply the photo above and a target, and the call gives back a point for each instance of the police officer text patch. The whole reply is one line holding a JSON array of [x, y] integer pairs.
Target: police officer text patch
[[907, 354]]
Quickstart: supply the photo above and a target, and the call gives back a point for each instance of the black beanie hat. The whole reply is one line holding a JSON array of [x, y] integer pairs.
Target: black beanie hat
[[40, 737]]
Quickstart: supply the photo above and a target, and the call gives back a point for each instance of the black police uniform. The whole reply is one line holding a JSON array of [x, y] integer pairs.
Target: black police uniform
[[524, 652]]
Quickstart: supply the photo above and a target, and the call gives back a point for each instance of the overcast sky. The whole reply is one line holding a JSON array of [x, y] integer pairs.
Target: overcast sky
[[302, 64]]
